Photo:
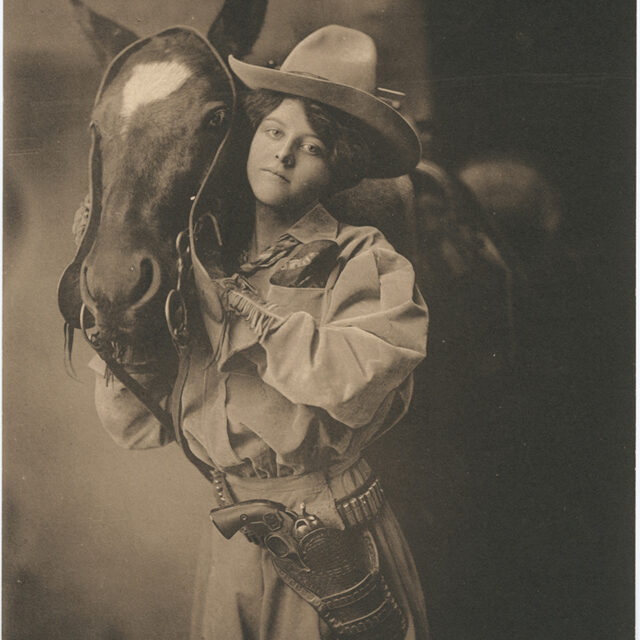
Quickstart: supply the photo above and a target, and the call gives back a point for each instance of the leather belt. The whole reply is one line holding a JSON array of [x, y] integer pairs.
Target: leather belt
[[363, 505], [354, 509]]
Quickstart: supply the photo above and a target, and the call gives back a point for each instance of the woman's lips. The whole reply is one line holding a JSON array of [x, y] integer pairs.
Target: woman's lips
[[276, 174]]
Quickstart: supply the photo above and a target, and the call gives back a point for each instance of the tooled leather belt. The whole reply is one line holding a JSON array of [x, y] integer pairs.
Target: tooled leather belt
[[359, 507]]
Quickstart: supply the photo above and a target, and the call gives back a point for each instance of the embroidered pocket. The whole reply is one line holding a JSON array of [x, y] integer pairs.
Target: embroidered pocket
[[308, 266]]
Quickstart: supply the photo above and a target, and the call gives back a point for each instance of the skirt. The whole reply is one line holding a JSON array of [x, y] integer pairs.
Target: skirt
[[238, 594]]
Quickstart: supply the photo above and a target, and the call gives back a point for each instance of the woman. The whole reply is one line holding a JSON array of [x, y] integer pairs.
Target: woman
[[309, 361]]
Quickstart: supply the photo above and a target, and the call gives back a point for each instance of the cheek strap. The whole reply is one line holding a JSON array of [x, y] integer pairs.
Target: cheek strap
[[69, 300]]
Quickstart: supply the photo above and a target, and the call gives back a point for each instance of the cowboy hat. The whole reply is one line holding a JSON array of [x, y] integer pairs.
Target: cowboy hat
[[337, 66]]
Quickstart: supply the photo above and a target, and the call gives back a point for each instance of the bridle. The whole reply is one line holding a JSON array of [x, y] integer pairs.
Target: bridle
[[189, 266]]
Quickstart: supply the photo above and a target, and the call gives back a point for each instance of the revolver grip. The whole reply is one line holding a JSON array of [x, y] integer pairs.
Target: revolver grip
[[229, 520], [227, 523]]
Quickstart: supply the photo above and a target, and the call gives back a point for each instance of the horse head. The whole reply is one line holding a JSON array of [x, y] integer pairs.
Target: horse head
[[165, 152], [162, 146]]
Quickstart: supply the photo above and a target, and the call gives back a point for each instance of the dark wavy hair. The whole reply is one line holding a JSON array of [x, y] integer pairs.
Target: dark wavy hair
[[344, 136]]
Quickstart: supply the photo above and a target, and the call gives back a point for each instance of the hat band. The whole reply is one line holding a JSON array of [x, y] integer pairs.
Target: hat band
[[309, 75], [390, 97]]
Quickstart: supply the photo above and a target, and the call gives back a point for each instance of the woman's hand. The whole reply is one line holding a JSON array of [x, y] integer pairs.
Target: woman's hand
[[81, 219]]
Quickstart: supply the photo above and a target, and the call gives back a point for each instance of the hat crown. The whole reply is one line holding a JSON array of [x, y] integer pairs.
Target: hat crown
[[336, 66], [337, 54]]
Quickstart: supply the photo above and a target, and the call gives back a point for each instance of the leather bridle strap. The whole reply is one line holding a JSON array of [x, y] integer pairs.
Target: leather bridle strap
[[143, 394], [170, 420], [175, 404]]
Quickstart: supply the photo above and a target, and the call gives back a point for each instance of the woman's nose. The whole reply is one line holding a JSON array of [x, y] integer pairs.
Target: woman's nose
[[286, 155]]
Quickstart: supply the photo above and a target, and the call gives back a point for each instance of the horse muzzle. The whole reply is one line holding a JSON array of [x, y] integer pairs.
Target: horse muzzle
[[120, 290]]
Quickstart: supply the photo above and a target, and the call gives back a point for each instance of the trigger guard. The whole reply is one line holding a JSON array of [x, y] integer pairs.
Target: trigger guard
[[277, 546], [286, 552]]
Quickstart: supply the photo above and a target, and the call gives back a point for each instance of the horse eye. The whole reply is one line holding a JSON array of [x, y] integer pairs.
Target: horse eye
[[216, 118]]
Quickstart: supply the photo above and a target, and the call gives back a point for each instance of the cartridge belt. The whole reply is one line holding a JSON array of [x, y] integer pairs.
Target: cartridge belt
[[363, 505], [359, 507]]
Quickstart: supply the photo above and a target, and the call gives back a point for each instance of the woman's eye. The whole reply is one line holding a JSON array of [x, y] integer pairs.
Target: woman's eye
[[273, 133], [217, 118], [312, 149]]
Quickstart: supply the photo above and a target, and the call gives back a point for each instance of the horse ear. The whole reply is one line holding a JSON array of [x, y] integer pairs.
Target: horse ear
[[106, 37], [237, 26]]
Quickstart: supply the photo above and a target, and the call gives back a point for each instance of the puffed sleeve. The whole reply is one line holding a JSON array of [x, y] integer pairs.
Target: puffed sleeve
[[124, 417], [366, 344]]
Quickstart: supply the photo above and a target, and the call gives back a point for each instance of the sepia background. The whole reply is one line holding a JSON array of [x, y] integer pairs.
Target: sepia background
[[514, 483]]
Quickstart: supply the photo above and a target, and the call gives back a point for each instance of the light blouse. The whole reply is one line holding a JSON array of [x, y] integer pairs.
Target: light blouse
[[298, 378]]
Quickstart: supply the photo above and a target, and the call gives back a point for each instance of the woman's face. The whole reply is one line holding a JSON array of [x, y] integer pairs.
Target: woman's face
[[288, 168]]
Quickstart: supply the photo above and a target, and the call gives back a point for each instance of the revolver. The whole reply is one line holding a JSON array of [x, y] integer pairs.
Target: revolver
[[269, 524]]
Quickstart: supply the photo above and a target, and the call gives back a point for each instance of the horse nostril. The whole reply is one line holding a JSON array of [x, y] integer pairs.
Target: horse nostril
[[148, 283], [144, 281]]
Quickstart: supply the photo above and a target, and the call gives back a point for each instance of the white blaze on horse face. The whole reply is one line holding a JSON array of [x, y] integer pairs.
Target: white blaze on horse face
[[150, 82]]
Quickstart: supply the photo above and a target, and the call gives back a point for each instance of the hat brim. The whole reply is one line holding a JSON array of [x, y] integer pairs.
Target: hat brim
[[396, 151]]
